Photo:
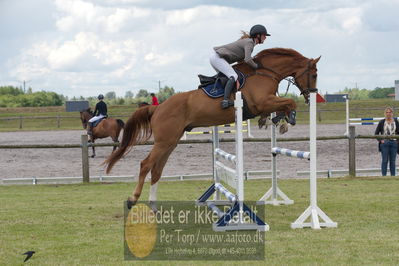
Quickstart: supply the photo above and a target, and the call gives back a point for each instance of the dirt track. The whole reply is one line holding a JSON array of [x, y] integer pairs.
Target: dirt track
[[186, 159]]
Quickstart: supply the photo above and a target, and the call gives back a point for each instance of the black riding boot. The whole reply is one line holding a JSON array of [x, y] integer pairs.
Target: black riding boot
[[90, 130], [226, 102]]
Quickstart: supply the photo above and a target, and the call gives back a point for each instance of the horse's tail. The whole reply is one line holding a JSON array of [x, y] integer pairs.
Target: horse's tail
[[120, 123], [137, 129]]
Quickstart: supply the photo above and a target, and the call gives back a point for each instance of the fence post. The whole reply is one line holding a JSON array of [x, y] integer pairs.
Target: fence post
[[85, 159], [58, 120], [20, 122], [352, 151]]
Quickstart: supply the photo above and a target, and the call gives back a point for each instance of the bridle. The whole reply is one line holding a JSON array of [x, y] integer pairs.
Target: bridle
[[291, 80]]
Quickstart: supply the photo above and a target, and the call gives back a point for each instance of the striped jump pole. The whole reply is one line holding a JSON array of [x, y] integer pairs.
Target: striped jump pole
[[359, 121], [274, 195], [235, 179], [370, 121]]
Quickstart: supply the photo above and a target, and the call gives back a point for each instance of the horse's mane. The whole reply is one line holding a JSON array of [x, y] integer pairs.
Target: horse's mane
[[276, 52], [279, 52], [88, 110]]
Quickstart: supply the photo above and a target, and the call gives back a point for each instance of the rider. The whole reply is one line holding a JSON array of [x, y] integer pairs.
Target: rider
[[223, 56], [154, 99], [99, 112]]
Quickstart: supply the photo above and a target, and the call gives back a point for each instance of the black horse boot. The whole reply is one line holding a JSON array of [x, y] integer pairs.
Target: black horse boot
[[226, 102], [277, 118], [291, 119]]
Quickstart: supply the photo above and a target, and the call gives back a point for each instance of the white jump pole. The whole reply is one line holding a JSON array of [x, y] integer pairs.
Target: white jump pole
[[313, 211], [215, 145], [347, 114], [271, 196], [238, 104]]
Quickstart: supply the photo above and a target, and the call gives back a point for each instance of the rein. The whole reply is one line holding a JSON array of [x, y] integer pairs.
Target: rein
[[291, 80]]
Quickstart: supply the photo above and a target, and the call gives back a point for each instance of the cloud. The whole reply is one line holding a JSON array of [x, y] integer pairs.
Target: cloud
[[87, 45]]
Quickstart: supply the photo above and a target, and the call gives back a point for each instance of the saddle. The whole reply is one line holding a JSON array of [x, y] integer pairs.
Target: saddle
[[95, 123], [214, 86]]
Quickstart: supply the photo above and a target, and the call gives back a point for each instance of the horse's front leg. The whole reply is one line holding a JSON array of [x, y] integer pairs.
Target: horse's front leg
[[283, 107]]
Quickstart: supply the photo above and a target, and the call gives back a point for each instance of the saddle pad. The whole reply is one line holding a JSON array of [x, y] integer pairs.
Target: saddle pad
[[95, 123], [216, 89]]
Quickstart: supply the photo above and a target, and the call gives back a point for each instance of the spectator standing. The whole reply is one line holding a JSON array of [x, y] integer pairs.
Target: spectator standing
[[388, 147]]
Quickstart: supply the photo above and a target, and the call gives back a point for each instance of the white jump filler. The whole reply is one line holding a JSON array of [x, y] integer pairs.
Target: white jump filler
[[235, 179]]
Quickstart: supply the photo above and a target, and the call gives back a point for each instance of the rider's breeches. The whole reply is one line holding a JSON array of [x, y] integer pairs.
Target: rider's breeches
[[221, 65], [95, 118]]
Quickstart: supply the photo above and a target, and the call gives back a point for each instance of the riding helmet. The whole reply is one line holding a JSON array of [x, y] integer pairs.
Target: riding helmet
[[100, 97], [258, 29]]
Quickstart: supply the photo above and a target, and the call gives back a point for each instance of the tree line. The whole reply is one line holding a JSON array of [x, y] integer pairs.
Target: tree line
[[16, 97], [363, 94]]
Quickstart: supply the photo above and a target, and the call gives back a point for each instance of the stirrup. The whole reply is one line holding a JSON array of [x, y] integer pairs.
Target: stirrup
[[227, 103]]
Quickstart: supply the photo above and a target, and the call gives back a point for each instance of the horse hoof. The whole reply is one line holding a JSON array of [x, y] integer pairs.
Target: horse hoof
[[130, 203], [153, 206], [92, 156]]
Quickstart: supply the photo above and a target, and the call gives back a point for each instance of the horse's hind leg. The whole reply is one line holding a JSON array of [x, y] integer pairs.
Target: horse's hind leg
[[156, 173], [115, 140], [157, 153], [93, 148]]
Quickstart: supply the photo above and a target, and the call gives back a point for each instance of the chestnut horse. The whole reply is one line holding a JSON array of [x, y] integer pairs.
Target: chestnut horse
[[184, 111], [108, 127]]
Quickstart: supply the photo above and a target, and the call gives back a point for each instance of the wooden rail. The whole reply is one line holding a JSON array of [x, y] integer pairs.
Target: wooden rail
[[84, 146]]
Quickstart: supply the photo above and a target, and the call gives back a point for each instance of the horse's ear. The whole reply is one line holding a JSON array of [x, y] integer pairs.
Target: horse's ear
[[316, 60]]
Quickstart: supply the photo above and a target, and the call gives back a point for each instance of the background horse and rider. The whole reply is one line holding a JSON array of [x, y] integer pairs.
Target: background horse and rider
[[107, 127], [185, 111]]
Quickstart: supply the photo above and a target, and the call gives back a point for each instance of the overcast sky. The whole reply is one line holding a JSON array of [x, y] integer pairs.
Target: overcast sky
[[87, 47]]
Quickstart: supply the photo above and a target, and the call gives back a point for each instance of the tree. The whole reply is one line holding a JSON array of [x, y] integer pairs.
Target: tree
[[356, 94], [379, 93], [10, 90], [142, 94], [165, 93], [110, 95], [129, 94]]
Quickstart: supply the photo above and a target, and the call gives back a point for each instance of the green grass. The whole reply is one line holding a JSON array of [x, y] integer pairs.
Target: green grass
[[83, 224], [364, 108]]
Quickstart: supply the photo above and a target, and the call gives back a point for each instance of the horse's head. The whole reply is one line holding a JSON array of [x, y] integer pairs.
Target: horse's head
[[306, 77], [281, 63], [85, 116]]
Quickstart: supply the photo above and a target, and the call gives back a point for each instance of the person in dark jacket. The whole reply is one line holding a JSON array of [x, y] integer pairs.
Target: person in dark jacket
[[388, 147], [99, 112], [240, 50]]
